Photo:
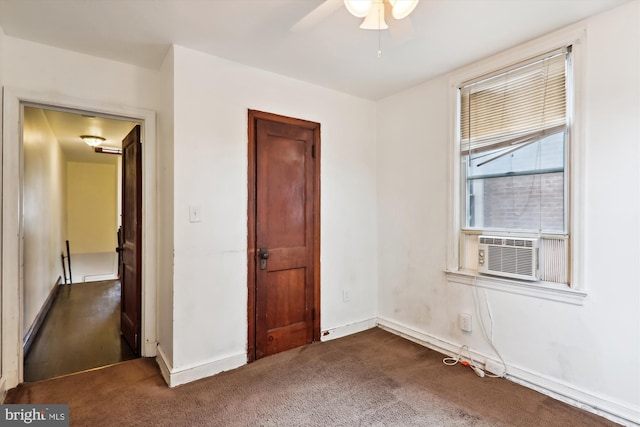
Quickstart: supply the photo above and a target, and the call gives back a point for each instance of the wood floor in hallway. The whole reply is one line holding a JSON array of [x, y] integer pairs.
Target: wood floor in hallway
[[81, 332]]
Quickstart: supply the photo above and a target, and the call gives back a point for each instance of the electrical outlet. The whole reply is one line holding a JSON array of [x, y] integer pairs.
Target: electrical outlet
[[495, 367], [465, 322], [345, 296]]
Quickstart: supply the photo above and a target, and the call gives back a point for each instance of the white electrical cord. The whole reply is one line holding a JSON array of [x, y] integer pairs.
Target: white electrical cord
[[451, 361], [487, 337]]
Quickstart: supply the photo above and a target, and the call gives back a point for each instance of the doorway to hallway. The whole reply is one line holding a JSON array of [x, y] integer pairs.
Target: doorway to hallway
[[74, 191]]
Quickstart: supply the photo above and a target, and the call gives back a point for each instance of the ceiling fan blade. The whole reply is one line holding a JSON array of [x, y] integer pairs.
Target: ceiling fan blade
[[401, 30], [317, 15]]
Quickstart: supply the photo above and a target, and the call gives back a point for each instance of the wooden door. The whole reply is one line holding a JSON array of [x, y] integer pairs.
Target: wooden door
[[284, 234], [131, 278]]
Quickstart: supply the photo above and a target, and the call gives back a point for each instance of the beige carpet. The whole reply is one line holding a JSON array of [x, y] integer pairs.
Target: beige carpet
[[372, 378]]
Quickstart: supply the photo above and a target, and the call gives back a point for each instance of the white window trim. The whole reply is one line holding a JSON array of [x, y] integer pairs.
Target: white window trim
[[544, 290], [575, 36]]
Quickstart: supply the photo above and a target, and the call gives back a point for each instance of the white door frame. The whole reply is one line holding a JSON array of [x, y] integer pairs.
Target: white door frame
[[11, 177]]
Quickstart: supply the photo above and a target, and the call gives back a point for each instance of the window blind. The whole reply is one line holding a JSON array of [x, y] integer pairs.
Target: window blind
[[514, 107]]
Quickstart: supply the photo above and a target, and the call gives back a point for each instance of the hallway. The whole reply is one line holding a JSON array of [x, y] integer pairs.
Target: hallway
[[80, 332]]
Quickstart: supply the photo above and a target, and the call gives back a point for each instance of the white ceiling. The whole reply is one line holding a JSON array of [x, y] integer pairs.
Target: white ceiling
[[67, 127], [330, 51]]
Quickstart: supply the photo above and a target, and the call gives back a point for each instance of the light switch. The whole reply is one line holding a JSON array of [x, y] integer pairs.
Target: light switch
[[194, 214]]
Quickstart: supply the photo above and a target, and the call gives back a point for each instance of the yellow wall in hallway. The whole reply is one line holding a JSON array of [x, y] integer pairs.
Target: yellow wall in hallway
[[92, 207]]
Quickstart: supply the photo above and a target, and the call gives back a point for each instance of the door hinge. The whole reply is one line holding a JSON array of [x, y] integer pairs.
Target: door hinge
[[313, 151]]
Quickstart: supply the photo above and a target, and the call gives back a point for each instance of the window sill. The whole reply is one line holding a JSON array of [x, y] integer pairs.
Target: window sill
[[543, 290]]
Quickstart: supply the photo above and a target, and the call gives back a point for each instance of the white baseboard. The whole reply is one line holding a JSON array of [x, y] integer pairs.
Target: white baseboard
[[618, 412], [30, 335], [149, 349], [164, 365], [344, 330], [99, 277], [605, 407], [175, 377], [92, 267]]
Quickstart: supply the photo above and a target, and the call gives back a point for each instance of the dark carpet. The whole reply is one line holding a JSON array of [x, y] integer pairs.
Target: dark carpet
[[373, 378]]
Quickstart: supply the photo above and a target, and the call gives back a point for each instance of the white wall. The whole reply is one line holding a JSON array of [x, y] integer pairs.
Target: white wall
[[44, 212], [590, 352], [211, 98], [385, 207], [202, 103], [48, 69], [54, 76], [165, 205]]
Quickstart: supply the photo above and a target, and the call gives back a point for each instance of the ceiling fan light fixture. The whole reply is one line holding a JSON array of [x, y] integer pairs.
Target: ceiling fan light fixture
[[375, 17], [92, 140], [358, 8], [402, 8]]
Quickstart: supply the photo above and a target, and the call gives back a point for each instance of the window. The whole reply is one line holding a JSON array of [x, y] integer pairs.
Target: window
[[514, 163]]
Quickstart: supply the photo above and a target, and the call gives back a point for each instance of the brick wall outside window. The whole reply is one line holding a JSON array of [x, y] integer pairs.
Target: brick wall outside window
[[530, 202]]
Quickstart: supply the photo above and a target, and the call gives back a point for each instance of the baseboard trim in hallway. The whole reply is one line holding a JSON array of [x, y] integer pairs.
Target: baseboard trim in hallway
[[40, 317]]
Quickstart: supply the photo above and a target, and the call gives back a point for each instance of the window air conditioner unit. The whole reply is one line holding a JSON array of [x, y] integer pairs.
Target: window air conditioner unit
[[509, 257]]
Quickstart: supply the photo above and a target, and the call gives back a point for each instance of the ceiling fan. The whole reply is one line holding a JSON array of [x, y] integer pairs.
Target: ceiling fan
[[374, 13]]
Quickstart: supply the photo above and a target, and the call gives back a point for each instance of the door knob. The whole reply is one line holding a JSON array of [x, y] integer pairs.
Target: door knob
[[264, 255]]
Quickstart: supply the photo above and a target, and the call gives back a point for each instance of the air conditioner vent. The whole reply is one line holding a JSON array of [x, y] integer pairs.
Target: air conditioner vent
[[491, 240], [508, 257], [524, 243]]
